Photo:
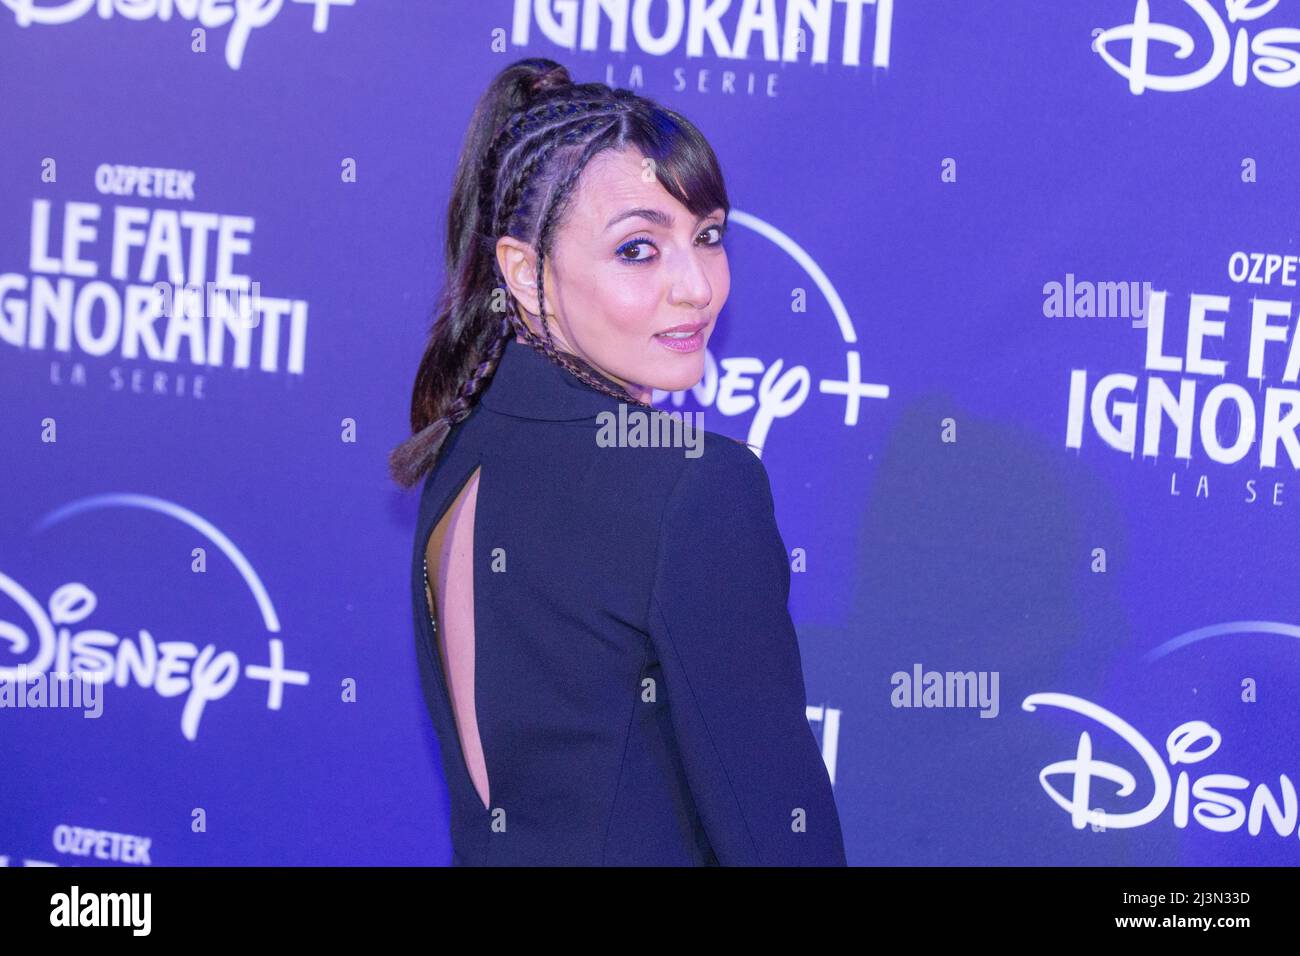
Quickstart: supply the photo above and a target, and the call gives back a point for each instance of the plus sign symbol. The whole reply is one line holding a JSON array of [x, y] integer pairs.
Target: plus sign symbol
[[276, 675], [851, 387], [321, 15]]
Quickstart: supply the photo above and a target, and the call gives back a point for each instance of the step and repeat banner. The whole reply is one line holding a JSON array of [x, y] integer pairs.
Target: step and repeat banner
[[1013, 320]]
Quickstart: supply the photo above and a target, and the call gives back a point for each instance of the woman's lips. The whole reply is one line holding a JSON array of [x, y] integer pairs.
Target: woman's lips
[[687, 338], [684, 327]]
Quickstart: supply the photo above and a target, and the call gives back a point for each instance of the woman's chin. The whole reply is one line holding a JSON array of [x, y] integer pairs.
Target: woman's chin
[[675, 372], [678, 381]]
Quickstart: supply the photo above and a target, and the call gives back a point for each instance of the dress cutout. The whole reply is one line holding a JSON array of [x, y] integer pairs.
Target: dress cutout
[[449, 561]]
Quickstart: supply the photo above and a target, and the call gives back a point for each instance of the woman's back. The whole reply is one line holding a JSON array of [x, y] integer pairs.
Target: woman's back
[[449, 569], [631, 706]]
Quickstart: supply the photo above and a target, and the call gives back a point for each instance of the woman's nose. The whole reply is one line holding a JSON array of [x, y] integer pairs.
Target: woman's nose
[[690, 283]]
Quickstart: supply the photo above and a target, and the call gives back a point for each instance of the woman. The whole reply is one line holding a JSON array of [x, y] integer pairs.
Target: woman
[[603, 635]]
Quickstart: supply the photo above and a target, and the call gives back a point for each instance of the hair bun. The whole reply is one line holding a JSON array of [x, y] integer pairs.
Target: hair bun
[[551, 76]]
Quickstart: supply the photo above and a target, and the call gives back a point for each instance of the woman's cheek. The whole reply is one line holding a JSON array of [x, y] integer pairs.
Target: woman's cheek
[[633, 308]]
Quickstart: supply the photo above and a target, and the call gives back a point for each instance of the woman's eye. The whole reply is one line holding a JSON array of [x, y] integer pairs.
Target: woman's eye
[[631, 247], [628, 252]]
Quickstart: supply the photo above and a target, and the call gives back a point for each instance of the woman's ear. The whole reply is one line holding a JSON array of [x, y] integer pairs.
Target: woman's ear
[[518, 264]]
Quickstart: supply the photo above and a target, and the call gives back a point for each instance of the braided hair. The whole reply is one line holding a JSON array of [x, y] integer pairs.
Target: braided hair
[[532, 134]]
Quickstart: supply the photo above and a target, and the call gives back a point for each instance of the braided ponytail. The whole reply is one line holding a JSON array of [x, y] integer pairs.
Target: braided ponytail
[[532, 133]]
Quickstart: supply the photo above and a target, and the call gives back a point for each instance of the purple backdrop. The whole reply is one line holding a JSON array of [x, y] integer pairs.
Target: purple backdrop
[[1013, 319]]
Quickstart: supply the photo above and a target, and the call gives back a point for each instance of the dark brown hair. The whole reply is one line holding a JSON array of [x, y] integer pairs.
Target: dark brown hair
[[531, 135]]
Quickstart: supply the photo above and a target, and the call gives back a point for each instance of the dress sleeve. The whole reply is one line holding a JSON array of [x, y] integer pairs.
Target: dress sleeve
[[720, 623]]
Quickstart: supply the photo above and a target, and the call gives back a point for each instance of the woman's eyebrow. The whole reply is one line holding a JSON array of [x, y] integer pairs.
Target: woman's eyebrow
[[656, 216], [653, 215]]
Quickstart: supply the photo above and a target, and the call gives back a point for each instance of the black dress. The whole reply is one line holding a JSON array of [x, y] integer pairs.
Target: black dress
[[638, 686]]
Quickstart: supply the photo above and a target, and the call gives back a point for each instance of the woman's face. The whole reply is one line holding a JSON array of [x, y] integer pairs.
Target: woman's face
[[628, 263]]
